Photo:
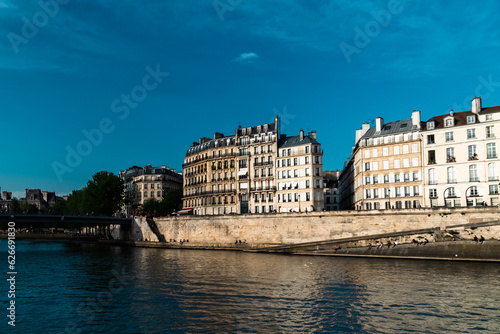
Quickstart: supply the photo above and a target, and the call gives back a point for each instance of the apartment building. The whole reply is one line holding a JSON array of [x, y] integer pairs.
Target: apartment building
[[386, 166], [299, 174], [241, 172], [143, 183], [461, 159]]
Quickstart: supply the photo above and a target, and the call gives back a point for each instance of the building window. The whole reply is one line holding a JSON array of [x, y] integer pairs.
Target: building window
[[473, 191], [396, 150], [407, 191], [416, 191], [396, 164], [490, 131], [385, 151], [431, 157], [375, 179], [406, 177], [308, 196], [432, 176], [449, 136], [471, 133], [307, 149], [367, 180], [430, 139], [405, 149], [449, 122], [430, 125], [386, 178], [414, 162], [491, 150], [415, 176], [450, 154], [368, 193], [386, 164], [374, 153], [471, 119], [492, 172], [433, 193], [473, 177], [396, 178], [451, 175], [472, 152], [493, 189]]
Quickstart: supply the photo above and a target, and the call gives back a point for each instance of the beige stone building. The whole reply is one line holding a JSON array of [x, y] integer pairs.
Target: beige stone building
[[460, 157], [238, 174], [210, 176], [300, 174], [386, 164], [142, 183]]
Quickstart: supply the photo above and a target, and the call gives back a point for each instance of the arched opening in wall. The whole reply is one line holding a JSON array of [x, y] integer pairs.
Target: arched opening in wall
[[452, 197], [474, 196]]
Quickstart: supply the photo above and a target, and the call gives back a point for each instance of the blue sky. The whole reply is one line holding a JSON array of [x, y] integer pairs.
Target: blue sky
[[192, 68]]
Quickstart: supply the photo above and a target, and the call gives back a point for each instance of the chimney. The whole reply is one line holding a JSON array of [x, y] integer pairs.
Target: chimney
[[312, 135], [218, 135], [476, 105], [451, 112], [361, 132], [415, 118], [379, 123], [301, 134]]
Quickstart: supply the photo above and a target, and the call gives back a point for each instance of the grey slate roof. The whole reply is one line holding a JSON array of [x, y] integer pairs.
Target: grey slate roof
[[391, 128], [221, 142], [295, 141]]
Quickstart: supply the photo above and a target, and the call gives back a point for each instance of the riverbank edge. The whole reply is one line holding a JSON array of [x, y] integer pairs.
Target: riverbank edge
[[359, 252]]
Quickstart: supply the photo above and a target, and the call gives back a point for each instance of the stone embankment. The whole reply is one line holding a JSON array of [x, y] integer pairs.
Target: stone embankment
[[449, 232]]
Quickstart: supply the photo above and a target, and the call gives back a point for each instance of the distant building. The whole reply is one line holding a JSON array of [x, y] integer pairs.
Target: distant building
[[142, 183], [330, 190], [41, 198], [5, 200]]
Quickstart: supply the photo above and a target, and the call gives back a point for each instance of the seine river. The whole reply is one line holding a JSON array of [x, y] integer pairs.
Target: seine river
[[63, 287]]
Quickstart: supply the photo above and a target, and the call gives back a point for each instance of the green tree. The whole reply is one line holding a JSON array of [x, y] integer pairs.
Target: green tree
[[150, 205], [59, 208], [172, 201], [28, 208], [104, 193], [15, 206]]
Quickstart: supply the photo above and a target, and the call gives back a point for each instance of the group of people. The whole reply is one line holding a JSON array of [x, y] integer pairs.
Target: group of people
[[420, 242], [380, 245], [481, 239]]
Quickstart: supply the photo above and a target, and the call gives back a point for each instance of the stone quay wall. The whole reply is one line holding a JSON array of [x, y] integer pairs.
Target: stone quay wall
[[261, 230]]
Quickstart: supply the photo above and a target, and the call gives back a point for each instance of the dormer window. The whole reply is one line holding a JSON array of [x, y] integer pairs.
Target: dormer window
[[489, 117], [448, 122], [471, 119], [430, 125]]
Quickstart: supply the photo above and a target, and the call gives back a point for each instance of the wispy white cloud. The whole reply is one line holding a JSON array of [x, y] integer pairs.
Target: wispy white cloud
[[246, 57]]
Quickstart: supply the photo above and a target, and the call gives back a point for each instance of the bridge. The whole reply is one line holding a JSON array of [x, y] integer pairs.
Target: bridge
[[25, 220]]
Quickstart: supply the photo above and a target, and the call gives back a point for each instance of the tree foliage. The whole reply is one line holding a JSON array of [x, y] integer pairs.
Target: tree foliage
[[102, 196], [171, 202]]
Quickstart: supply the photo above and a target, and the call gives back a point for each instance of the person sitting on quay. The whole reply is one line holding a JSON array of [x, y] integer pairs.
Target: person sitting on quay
[[475, 238], [389, 244], [481, 239]]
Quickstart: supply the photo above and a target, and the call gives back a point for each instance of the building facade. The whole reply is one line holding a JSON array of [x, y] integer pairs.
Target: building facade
[[461, 159], [239, 174], [300, 174], [386, 166], [143, 183]]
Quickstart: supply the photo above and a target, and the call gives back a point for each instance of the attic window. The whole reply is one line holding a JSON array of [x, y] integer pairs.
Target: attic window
[[430, 125], [404, 125], [471, 119], [387, 127], [449, 122]]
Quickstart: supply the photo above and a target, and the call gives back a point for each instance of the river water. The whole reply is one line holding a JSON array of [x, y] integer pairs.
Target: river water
[[64, 287]]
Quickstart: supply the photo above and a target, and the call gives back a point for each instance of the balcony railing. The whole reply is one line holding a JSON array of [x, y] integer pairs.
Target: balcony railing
[[263, 189], [265, 163]]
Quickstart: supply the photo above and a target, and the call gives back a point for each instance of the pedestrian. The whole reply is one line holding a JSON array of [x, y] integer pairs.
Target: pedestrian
[[426, 241], [475, 238], [481, 239]]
